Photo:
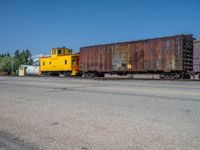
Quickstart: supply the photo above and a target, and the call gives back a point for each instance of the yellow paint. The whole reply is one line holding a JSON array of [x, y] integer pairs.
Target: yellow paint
[[129, 66], [61, 60]]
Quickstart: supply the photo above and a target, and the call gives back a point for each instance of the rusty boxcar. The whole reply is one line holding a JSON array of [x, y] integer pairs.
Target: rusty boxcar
[[196, 56], [171, 56]]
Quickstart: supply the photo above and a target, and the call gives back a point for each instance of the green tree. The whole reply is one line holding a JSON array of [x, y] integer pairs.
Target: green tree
[[6, 64], [19, 58], [16, 54], [22, 58]]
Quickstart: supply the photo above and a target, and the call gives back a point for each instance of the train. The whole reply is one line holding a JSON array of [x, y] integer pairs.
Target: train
[[61, 61], [171, 57]]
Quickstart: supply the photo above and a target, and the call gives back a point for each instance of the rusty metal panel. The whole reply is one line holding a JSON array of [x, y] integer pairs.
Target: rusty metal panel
[[119, 57], [96, 58], [138, 56], [196, 56], [169, 57], [159, 54]]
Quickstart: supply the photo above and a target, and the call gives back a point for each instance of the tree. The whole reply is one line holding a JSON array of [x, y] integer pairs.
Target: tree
[[6, 64], [19, 58], [16, 54], [8, 54], [22, 58]]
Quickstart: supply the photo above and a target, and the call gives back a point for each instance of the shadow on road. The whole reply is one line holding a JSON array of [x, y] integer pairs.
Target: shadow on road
[[9, 142]]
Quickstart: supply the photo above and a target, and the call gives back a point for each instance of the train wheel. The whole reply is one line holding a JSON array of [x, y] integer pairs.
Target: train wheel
[[185, 76], [100, 75]]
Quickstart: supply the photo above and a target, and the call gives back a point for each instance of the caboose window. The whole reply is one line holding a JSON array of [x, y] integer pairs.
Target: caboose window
[[65, 61], [43, 63], [50, 63], [54, 52], [59, 51]]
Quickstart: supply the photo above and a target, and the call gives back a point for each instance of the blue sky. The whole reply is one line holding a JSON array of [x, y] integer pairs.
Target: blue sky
[[40, 25]]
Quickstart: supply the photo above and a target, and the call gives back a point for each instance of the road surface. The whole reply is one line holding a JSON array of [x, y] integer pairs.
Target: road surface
[[74, 114]]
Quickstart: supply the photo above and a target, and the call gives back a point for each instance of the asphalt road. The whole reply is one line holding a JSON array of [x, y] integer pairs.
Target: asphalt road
[[74, 114]]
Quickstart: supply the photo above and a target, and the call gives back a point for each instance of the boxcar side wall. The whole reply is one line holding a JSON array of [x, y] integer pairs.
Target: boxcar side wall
[[152, 55], [196, 57]]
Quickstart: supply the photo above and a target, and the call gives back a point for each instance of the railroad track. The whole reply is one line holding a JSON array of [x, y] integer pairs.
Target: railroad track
[[120, 78], [114, 78], [111, 78]]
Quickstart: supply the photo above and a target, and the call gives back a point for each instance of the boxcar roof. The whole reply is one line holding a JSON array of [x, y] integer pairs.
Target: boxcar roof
[[129, 42]]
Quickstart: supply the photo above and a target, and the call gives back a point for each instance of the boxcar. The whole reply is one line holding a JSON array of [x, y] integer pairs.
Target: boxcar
[[172, 57]]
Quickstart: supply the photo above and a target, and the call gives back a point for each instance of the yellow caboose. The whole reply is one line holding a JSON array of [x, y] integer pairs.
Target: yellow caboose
[[61, 62]]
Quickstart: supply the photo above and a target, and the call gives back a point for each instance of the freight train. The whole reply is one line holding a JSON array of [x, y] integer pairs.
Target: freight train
[[171, 57]]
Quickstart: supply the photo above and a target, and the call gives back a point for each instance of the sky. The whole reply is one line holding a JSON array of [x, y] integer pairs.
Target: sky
[[39, 25]]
